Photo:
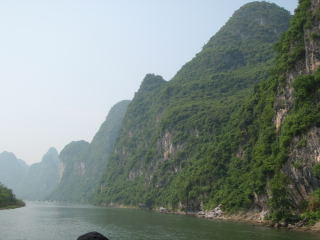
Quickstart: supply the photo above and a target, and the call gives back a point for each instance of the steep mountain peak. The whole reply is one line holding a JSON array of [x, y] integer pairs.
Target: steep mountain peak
[[120, 106], [12, 170], [51, 156], [7, 155], [151, 82], [112, 124], [76, 149], [52, 150], [246, 40], [255, 21]]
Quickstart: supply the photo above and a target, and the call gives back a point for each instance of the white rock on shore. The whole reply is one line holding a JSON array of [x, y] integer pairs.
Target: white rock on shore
[[163, 210], [215, 213]]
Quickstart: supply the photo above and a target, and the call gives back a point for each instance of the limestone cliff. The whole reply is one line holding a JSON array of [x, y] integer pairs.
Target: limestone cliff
[[304, 149], [71, 170]]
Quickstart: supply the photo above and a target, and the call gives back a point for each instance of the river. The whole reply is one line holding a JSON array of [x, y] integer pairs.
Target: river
[[48, 221]]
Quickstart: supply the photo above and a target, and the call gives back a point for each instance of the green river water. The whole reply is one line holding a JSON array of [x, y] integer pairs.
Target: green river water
[[48, 221]]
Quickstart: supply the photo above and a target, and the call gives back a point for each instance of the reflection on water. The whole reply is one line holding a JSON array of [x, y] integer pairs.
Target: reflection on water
[[39, 221]]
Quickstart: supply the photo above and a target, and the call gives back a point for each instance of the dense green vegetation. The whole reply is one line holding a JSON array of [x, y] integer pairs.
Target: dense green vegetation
[[259, 169], [200, 139], [312, 215], [266, 151], [7, 199], [303, 115]]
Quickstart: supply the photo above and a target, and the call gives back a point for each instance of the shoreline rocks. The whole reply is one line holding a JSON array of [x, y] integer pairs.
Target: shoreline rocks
[[215, 213], [163, 210], [251, 217]]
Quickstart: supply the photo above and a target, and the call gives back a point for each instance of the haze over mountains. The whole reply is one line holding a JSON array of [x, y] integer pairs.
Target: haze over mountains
[[237, 127], [71, 176], [33, 182], [12, 170]]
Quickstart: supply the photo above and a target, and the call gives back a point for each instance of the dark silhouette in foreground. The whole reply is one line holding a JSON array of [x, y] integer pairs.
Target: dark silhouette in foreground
[[92, 236]]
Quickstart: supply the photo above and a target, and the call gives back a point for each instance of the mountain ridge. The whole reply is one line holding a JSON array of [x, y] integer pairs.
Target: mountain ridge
[[165, 155]]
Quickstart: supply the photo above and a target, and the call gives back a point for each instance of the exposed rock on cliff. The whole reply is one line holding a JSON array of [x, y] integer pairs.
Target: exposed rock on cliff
[[72, 168], [303, 59]]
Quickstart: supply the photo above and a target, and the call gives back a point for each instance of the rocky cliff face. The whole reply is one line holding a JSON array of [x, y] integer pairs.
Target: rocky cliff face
[[312, 38], [304, 155], [280, 129], [71, 169], [304, 148], [307, 48]]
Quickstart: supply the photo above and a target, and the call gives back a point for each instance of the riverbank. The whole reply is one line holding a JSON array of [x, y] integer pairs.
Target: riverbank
[[51, 221], [11, 207], [251, 217], [16, 204]]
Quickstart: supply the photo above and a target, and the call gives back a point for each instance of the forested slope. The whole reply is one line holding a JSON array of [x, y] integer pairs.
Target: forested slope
[[181, 145]]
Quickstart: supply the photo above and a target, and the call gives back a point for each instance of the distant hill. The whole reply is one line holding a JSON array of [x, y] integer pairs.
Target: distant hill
[[82, 164], [41, 178], [12, 170], [33, 182]]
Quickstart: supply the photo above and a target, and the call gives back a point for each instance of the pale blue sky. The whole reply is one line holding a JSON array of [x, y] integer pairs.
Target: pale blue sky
[[64, 63]]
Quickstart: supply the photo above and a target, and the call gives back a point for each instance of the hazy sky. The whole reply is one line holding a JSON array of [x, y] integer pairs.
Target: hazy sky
[[64, 63]]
